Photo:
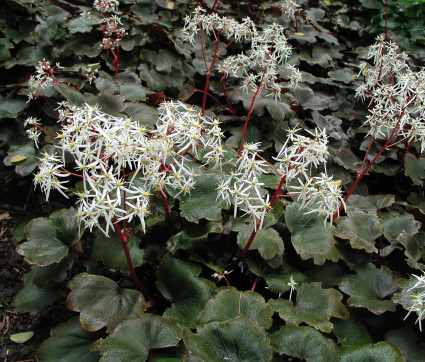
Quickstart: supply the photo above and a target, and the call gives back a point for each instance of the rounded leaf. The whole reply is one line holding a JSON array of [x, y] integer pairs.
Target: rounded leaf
[[305, 343], [310, 238], [178, 282], [239, 339], [369, 287], [381, 351], [228, 303], [102, 303], [132, 340], [68, 342], [314, 306]]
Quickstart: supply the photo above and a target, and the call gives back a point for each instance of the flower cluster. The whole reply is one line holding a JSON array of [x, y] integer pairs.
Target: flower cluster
[[43, 78], [33, 131], [416, 300], [321, 194], [290, 8], [230, 28], [397, 93], [243, 188], [296, 160], [299, 153], [259, 67], [186, 128], [121, 162], [113, 31], [106, 6]]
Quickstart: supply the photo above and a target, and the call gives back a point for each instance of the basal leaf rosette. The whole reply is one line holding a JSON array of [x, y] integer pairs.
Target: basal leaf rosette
[[369, 288], [314, 306]]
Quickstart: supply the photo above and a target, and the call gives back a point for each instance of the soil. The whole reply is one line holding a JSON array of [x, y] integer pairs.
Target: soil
[[18, 203]]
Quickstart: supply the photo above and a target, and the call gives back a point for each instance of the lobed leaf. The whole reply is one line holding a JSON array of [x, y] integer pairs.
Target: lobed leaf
[[228, 303], [178, 282], [238, 339], [310, 237], [68, 342], [102, 303], [314, 306], [369, 287], [132, 340], [305, 343]]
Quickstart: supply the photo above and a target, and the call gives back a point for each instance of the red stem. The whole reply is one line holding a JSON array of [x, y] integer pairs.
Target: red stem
[[362, 173], [254, 232], [255, 284], [123, 238]]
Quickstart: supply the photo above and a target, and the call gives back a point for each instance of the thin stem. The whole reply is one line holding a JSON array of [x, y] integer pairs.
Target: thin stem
[[386, 19], [209, 70], [123, 239], [255, 284], [165, 202], [254, 232], [366, 169], [251, 108]]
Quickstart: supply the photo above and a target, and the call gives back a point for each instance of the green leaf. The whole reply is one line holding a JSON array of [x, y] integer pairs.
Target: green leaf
[[193, 206], [394, 225], [415, 169], [371, 202], [22, 337], [11, 107], [381, 351], [305, 343], [228, 303], [347, 159], [369, 287], [142, 113], [238, 339], [111, 252], [310, 238], [26, 166], [277, 279], [102, 303], [49, 238], [178, 282], [267, 240], [68, 342], [31, 298], [344, 75], [71, 94], [193, 237], [132, 340], [314, 306], [351, 333], [56, 272], [361, 228], [407, 340]]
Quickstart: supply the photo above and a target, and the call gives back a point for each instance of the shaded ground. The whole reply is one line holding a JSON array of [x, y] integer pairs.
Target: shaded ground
[[15, 206]]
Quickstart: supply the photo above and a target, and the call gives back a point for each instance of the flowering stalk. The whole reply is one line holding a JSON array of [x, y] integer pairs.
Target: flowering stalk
[[397, 104], [123, 238]]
